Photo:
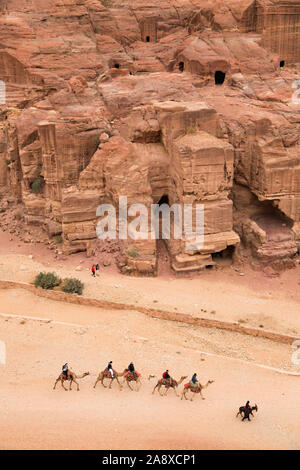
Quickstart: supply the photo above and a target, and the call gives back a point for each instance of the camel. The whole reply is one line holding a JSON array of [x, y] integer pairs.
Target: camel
[[105, 374], [174, 384], [72, 377], [247, 410], [195, 389], [132, 377]]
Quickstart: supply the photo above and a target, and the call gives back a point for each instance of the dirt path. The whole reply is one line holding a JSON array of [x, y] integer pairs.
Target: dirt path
[[252, 299]]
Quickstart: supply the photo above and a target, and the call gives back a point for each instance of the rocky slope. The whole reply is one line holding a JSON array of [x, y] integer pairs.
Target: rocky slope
[[179, 101]]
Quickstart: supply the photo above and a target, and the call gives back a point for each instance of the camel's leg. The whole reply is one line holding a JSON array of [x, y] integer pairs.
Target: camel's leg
[[56, 382], [239, 413], [175, 390], [155, 388], [62, 384], [138, 384], [159, 388], [129, 385], [73, 380], [184, 394], [120, 385], [98, 379], [102, 381], [111, 381], [201, 395]]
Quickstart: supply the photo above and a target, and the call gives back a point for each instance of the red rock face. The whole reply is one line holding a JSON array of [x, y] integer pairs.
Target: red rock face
[[186, 101]]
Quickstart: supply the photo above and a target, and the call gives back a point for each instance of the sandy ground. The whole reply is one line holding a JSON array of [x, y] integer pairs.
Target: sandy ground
[[33, 416]]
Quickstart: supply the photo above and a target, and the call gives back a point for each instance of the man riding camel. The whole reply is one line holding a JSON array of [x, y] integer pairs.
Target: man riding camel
[[65, 370], [166, 376], [131, 370], [194, 380], [110, 369]]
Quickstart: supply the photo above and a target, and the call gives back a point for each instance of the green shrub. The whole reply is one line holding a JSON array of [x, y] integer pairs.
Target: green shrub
[[47, 280], [37, 185], [58, 238], [72, 286], [2, 211], [106, 3], [133, 253]]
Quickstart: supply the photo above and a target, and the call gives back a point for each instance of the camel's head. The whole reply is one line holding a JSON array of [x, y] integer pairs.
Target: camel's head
[[211, 381], [255, 407], [183, 377], [86, 373], [151, 376]]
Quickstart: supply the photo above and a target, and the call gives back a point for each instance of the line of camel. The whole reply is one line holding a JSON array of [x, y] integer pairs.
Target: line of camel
[[135, 377]]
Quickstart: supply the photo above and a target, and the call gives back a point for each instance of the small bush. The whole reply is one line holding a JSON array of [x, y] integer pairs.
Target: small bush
[[37, 185], [106, 3], [72, 286], [47, 280], [133, 253], [58, 239], [2, 211]]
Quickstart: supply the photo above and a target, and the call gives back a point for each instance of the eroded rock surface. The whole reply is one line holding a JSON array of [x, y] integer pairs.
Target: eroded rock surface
[[188, 102]]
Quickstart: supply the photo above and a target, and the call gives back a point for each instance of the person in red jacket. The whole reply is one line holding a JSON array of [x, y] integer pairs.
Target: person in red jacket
[[93, 271], [166, 376]]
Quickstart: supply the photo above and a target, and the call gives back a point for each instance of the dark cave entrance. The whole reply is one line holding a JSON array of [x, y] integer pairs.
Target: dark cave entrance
[[163, 200], [147, 38], [117, 66], [219, 77], [224, 257], [181, 66], [281, 63]]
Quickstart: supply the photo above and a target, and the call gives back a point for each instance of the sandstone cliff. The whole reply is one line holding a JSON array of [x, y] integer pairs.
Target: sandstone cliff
[[178, 101]]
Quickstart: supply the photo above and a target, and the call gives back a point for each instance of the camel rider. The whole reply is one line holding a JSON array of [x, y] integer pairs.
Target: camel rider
[[167, 377], [247, 412], [131, 369], [65, 370], [110, 369], [194, 380]]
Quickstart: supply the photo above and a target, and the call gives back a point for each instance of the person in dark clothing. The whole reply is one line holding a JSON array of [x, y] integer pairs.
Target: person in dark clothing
[[110, 369], [131, 367], [247, 411], [65, 370], [194, 379], [97, 267]]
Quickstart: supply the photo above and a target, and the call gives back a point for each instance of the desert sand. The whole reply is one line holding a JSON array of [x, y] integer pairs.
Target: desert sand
[[34, 416]]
